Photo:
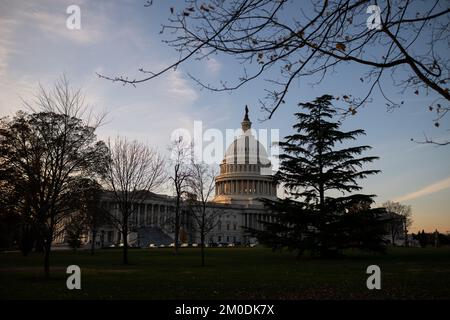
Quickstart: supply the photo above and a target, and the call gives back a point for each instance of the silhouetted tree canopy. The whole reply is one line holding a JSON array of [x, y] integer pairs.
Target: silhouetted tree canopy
[[324, 212], [42, 153]]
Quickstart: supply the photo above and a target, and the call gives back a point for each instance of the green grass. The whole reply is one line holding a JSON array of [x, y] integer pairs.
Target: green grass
[[230, 273]]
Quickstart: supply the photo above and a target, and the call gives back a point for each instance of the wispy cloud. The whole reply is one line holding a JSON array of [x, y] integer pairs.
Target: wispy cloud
[[180, 89], [12, 89], [432, 188], [7, 27], [213, 66]]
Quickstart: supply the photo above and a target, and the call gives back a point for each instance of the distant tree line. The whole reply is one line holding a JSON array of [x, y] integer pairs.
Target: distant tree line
[[432, 239]]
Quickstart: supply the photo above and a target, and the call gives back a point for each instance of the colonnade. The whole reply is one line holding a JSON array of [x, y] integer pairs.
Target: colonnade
[[149, 214], [245, 186], [256, 220]]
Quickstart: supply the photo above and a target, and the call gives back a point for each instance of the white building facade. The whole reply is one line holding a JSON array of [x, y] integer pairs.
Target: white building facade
[[245, 177]]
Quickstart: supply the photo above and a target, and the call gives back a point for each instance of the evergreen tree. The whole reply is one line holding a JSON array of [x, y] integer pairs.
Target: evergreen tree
[[313, 170]]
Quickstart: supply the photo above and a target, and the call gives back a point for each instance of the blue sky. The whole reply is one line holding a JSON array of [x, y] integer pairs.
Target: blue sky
[[117, 38]]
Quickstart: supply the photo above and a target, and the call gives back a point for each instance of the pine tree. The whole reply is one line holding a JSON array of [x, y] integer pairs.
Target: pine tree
[[313, 170]]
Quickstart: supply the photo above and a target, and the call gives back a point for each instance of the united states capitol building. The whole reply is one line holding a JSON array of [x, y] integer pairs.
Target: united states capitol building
[[245, 176]]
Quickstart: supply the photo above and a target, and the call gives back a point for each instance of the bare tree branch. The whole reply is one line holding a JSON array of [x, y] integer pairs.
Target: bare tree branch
[[272, 43]]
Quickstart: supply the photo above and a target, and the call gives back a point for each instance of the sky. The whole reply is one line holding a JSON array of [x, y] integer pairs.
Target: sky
[[119, 37]]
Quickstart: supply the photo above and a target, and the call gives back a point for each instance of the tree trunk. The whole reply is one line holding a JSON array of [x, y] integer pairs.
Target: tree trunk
[[202, 235], [405, 231], [125, 248], [94, 234], [177, 223], [406, 237], [202, 240], [48, 238], [125, 239], [47, 248]]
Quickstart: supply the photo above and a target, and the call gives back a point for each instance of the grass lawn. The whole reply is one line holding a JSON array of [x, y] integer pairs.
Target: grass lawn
[[231, 273]]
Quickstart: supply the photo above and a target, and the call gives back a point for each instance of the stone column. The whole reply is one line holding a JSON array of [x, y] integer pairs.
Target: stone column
[[146, 214], [151, 214], [167, 215], [157, 214]]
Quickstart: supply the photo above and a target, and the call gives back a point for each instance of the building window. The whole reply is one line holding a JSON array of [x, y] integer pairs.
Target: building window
[[219, 239], [228, 226], [234, 226]]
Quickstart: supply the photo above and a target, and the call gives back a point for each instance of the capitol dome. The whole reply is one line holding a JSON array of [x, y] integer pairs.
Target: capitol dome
[[245, 172], [248, 148]]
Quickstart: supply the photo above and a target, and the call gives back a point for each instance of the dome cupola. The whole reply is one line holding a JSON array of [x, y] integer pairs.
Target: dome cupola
[[246, 124], [245, 172]]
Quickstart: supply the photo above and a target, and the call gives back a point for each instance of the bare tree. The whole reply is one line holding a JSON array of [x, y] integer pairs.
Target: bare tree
[[400, 43], [179, 176], [395, 225], [65, 100], [134, 170], [201, 187], [47, 150], [404, 214]]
